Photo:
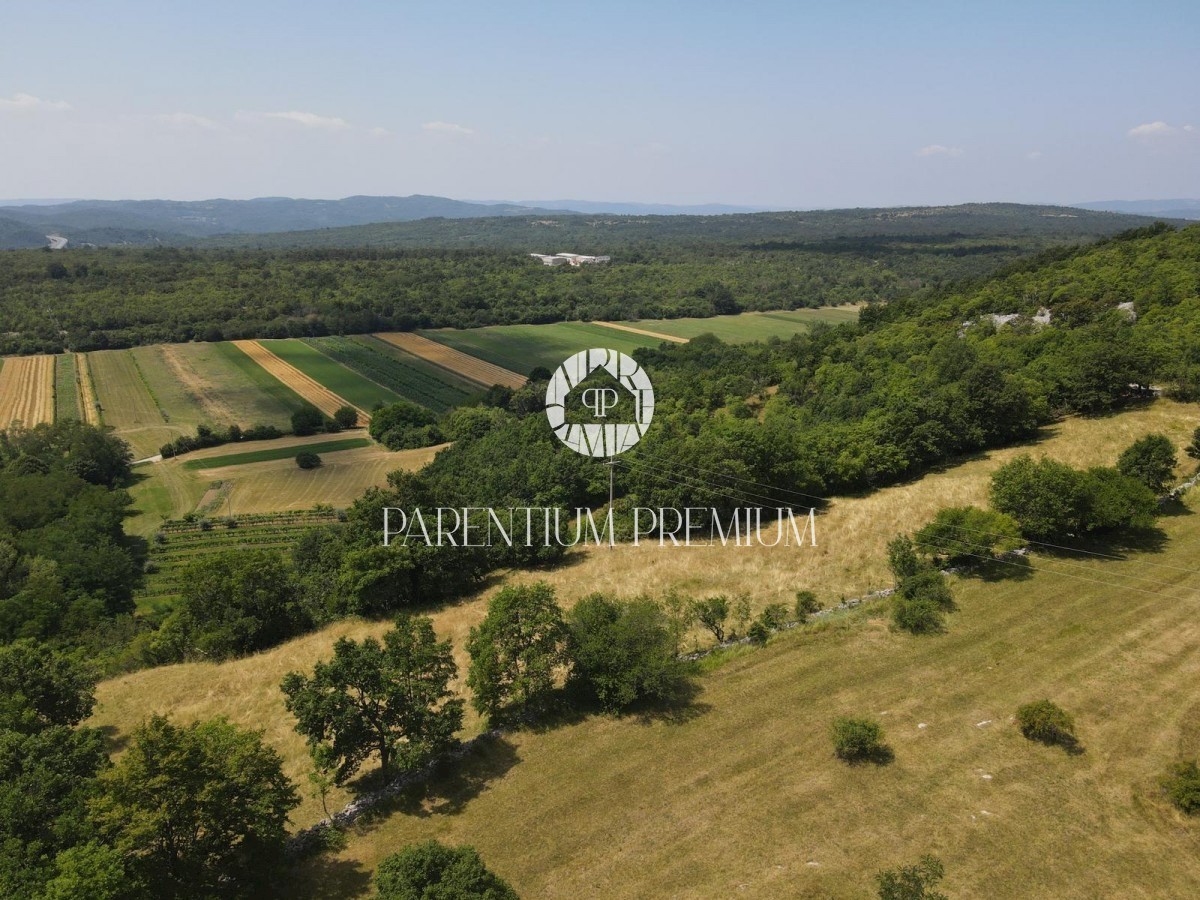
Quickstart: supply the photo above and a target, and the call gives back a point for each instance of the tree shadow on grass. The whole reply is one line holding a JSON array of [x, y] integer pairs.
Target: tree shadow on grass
[[883, 755], [453, 784], [1010, 568], [114, 741], [329, 878]]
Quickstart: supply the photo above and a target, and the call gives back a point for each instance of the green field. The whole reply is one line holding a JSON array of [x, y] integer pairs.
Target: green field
[[178, 405], [127, 404], [253, 456], [520, 348], [266, 399], [66, 388], [409, 376], [749, 327], [346, 383]]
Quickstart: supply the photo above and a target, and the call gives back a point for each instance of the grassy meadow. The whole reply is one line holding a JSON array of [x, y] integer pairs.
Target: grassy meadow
[[737, 794], [66, 388], [346, 383], [747, 327]]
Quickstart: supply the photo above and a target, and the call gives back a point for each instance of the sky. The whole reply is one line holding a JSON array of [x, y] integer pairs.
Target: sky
[[785, 105]]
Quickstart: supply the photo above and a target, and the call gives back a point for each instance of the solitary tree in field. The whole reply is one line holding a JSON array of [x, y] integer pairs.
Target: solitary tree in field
[[391, 699], [433, 871], [1047, 723], [518, 652], [859, 740], [1151, 460], [346, 416]]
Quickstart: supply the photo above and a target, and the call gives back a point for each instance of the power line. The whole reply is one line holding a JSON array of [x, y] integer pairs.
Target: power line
[[715, 474], [646, 469]]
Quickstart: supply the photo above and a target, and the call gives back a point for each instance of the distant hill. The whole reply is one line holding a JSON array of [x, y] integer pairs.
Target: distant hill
[[174, 221], [645, 209], [1171, 209], [834, 230]]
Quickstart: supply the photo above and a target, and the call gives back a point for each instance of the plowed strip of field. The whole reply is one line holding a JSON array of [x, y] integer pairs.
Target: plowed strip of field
[[311, 390], [87, 390], [456, 361], [27, 390], [675, 339]]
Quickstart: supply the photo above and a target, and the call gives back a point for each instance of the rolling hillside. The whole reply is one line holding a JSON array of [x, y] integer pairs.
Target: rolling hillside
[[741, 793]]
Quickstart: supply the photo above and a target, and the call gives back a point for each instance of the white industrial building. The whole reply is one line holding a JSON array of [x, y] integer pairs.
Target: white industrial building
[[569, 259]]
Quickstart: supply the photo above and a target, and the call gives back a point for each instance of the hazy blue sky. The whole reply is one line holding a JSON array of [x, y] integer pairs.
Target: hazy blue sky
[[780, 104]]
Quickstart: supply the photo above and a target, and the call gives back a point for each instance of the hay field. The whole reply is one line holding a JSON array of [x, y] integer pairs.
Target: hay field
[[88, 402], [66, 388], [849, 560], [280, 485], [478, 370], [307, 387], [26, 390]]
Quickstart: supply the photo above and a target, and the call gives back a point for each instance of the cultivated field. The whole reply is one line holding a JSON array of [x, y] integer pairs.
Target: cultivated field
[[409, 376], [443, 353], [27, 390], [521, 348], [66, 388], [240, 383], [544, 808], [127, 405], [747, 327], [88, 403], [308, 388], [358, 390]]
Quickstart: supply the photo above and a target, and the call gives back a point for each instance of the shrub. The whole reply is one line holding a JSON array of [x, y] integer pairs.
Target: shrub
[[1151, 460], [960, 534], [918, 616], [346, 416], [1183, 786], [430, 870], [1047, 723], [624, 652], [205, 524], [931, 585], [308, 460], [774, 616], [404, 426], [759, 632], [859, 740], [1193, 449], [902, 558], [806, 605], [912, 882]]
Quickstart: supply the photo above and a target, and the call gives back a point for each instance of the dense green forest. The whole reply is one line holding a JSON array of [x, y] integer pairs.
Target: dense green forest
[[665, 266]]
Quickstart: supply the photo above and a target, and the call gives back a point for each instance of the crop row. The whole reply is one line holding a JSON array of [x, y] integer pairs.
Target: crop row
[[406, 379]]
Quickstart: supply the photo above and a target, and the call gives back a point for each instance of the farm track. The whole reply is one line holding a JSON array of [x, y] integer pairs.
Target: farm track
[[675, 339], [87, 391], [27, 390], [477, 370], [308, 388]]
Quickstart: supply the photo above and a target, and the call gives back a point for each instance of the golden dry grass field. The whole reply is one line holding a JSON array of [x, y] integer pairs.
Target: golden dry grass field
[[478, 370], [26, 391], [745, 797]]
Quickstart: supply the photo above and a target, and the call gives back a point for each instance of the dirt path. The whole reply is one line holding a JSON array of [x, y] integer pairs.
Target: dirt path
[[308, 388], [673, 338], [27, 390], [201, 389], [87, 390], [463, 364]]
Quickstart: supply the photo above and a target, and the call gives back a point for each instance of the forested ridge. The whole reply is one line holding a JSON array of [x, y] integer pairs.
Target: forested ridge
[[664, 266]]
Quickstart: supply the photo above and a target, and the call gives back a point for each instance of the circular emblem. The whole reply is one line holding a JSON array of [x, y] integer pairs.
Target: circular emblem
[[600, 438]]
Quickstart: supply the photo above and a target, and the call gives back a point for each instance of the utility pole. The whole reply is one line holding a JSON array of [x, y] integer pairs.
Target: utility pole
[[612, 466]]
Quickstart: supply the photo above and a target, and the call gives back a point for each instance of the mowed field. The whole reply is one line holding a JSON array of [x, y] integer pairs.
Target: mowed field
[[743, 795], [26, 390], [128, 406], [312, 389], [751, 326], [477, 368], [66, 388], [521, 348]]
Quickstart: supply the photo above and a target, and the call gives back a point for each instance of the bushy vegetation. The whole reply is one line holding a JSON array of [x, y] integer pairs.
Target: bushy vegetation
[[915, 882], [207, 437], [962, 535], [306, 459], [1047, 723], [433, 871], [405, 426], [1051, 500], [1151, 460], [1183, 787], [859, 740]]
